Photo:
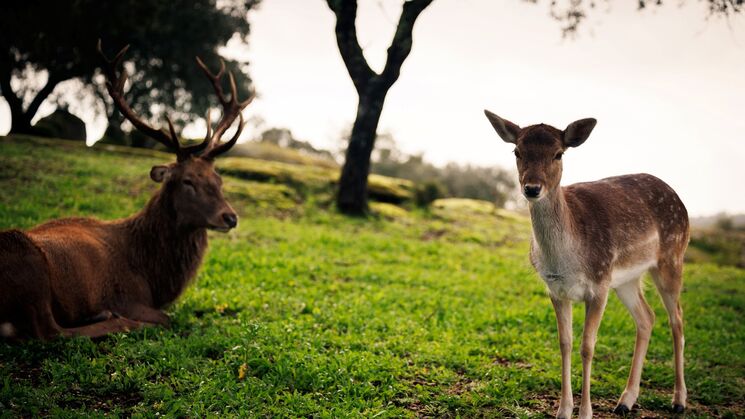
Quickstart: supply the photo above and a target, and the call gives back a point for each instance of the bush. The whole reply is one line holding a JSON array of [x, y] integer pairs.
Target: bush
[[427, 193], [61, 124]]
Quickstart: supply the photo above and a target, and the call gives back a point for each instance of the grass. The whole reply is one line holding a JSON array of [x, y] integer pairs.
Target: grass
[[302, 312]]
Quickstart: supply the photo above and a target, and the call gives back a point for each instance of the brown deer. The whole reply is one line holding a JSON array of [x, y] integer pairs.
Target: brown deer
[[589, 238], [82, 276]]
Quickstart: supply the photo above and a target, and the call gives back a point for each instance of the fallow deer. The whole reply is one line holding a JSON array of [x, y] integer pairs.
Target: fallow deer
[[589, 238], [82, 276]]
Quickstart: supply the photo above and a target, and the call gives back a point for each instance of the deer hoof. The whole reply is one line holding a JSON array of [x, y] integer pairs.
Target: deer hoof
[[678, 408], [622, 410]]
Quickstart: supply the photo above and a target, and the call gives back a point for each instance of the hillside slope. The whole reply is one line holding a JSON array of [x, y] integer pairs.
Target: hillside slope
[[303, 312]]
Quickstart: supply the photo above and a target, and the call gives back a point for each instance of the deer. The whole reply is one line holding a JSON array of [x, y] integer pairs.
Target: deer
[[86, 277], [591, 237]]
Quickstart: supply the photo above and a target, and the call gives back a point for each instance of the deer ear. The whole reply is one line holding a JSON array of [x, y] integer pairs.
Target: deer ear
[[577, 132], [159, 173], [506, 129]]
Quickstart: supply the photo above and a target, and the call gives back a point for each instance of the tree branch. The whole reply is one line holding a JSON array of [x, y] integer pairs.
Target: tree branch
[[41, 96], [402, 40], [349, 46], [6, 74]]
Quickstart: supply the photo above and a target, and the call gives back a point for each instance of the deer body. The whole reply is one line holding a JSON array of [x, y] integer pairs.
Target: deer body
[[593, 237], [81, 276], [130, 268], [628, 234]]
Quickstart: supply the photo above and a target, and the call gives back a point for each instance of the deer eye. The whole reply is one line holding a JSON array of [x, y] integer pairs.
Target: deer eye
[[558, 155], [189, 183], [517, 153]]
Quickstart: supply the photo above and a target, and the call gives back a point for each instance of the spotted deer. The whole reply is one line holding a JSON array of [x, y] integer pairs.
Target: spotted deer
[[591, 237], [82, 276]]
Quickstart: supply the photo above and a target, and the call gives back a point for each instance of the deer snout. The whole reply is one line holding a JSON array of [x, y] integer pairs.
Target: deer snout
[[532, 190], [230, 219]]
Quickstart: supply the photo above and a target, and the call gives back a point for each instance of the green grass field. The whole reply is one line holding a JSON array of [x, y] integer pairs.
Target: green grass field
[[302, 312]]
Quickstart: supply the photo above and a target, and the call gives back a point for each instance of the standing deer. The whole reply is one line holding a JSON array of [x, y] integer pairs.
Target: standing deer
[[589, 238], [81, 276]]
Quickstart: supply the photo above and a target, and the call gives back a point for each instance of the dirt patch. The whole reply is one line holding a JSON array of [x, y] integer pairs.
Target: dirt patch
[[602, 408], [430, 235], [30, 373]]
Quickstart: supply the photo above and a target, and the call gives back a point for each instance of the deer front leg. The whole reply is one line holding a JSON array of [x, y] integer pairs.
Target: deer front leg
[[143, 313], [593, 315], [563, 309], [95, 330]]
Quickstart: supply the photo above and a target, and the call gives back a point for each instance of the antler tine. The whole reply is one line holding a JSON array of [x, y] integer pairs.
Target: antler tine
[[196, 148], [172, 131], [233, 88], [231, 109], [215, 79], [115, 87], [234, 93], [223, 147], [209, 125]]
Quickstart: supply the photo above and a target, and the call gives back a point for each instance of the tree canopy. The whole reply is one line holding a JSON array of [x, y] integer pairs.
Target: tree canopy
[[571, 13], [59, 37]]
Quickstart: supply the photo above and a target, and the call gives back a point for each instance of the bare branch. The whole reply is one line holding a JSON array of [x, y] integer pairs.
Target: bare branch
[[402, 40]]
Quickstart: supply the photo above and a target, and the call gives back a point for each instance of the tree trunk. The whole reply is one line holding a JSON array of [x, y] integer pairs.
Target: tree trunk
[[352, 194], [371, 88], [20, 120]]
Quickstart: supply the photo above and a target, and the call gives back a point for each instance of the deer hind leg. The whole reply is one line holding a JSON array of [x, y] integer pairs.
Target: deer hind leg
[[668, 279], [632, 297], [34, 320], [594, 309], [25, 291], [103, 328]]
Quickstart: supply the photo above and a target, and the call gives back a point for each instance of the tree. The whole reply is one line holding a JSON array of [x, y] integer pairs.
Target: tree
[[571, 13], [371, 88], [58, 37]]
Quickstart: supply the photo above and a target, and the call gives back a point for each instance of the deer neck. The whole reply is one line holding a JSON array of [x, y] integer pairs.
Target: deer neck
[[553, 226], [165, 254]]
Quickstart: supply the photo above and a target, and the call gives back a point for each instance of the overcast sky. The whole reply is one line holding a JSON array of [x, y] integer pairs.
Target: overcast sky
[[666, 85]]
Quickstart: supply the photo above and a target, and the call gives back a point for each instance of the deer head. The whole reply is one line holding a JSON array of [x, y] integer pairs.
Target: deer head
[[538, 151], [191, 185]]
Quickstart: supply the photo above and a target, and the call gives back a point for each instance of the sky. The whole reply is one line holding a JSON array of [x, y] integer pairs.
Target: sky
[[666, 84]]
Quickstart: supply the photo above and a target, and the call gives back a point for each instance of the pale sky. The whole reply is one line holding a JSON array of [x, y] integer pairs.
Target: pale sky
[[666, 85]]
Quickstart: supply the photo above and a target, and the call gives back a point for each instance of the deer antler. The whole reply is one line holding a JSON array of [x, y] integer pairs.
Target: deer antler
[[115, 87], [231, 110]]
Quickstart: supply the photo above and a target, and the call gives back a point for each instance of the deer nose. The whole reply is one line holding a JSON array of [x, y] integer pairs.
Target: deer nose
[[532, 191], [231, 220]]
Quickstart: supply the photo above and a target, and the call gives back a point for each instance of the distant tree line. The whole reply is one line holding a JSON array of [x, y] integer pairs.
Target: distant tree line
[[492, 183]]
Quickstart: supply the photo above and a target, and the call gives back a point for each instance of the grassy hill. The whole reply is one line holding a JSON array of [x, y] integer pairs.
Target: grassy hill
[[303, 312]]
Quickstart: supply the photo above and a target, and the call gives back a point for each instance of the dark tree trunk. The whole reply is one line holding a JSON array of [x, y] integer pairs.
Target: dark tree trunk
[[20, 119], [372, 89], [352, 194]]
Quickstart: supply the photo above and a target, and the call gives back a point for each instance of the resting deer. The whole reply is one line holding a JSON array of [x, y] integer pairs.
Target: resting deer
[[81, 276], [589, 238]]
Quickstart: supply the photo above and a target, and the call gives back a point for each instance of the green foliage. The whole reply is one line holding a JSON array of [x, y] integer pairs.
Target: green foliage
[[307, 313], [60, 37], [427, 192], [723, 247]]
